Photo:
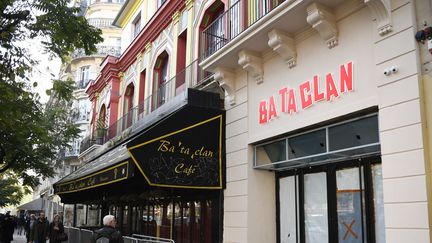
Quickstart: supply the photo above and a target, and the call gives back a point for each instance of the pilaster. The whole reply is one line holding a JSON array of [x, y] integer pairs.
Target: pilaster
[[190, 8]]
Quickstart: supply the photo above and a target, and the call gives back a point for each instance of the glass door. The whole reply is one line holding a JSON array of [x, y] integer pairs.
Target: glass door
[[315, 208], [349, 201]]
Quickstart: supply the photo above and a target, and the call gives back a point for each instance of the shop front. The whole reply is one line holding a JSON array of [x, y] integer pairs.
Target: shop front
[[317, 130], [164, 181]]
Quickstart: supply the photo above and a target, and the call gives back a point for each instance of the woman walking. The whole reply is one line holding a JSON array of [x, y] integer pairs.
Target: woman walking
[[56, 228]]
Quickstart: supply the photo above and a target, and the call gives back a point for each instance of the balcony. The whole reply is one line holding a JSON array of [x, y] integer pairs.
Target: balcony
[[101, 22], [246, 25], [160, 101], [88, 142], [74, 151], [101, 51]]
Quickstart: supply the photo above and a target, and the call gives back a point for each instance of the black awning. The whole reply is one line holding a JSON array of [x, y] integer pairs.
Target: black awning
[[185, 150], [198, 123], [111, 167]]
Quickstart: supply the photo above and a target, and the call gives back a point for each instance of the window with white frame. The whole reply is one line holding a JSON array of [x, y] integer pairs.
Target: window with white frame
[[136, 26], [84, 76]]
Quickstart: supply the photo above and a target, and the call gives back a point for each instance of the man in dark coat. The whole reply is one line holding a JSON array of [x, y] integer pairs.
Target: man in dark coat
[[7, 228], [39, 232], [108, 233]]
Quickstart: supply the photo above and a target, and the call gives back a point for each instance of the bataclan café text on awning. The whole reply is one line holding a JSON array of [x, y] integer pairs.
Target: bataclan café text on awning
[[167, 159]]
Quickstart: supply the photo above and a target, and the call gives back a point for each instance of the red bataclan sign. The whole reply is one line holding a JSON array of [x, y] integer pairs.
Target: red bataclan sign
[[309, 92]]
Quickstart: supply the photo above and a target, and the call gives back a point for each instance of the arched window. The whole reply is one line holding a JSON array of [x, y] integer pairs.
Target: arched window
[[101, 125], [127, 106], [102, 121], [160, 80], [212, 35]]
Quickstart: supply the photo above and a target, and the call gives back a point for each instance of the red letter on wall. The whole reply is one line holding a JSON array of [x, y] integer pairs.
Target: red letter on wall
[[282, 93], [262, 112], [292, 107], [272, 108], [317, 95], [346, 78], [306, 98], [330, 88]]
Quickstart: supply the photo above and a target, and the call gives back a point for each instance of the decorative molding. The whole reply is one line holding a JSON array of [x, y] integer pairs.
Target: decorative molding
[[148, 47], [189, 4], [225, 77], [176, 17], [323, 21], [252, 63], [139, 56], [381, 11], [284, 45]]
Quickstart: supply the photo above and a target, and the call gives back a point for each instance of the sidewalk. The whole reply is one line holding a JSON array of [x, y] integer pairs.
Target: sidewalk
[[19, 238]]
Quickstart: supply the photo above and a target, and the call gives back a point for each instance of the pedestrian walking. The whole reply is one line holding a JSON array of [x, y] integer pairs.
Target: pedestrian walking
[[39, 232], [7, 228], [21, 224], [30, 220], [108, 233], [56, 230]]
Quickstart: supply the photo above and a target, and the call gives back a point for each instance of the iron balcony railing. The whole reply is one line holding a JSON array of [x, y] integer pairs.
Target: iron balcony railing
[[191, 76], [73, 151], [233, 22], [101, 51], [89, 141], [101, 22]]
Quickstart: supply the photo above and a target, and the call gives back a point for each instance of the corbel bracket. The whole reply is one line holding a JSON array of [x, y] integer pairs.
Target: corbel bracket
[[225, 78], [284, 45], [252, 63], [323, 21], [381, 12]]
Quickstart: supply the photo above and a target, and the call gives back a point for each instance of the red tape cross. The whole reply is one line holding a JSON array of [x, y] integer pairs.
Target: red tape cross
[[349, 230]]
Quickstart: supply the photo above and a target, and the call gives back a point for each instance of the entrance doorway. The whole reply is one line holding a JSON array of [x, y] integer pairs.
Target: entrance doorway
[[339, 202]]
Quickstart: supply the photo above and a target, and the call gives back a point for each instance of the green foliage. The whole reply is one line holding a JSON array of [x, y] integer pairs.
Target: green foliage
[[30, 134], [11, 193]]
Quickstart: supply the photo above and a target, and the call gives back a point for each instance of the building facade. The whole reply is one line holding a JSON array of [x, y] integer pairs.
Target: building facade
[[324, 122], [82, 68]]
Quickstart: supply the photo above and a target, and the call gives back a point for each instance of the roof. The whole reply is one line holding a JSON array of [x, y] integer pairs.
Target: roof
[[33, 205]]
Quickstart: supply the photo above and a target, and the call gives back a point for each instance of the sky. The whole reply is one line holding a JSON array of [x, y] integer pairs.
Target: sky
[[44, 71]]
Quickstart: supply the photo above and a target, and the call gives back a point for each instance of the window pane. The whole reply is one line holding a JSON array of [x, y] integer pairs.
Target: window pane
[[315, 208], [307, 144], [271, 152], [349, 206], [352, 134], [378, 204], [288, 215]]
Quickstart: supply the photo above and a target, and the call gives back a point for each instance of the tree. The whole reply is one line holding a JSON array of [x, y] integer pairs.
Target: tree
[[31, 135]]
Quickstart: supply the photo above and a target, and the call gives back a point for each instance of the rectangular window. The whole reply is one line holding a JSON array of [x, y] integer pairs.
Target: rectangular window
[[136, 26], [84, 76], [353, 134], [356, 137], [271, 152], [307, 144]]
